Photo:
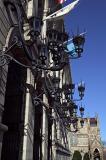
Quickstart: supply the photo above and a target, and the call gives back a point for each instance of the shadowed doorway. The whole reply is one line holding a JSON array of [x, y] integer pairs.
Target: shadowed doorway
[[13, 115]]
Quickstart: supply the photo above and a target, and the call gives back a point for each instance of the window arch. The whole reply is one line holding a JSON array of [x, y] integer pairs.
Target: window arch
[[77, 155], [96, 154], [86, 156]]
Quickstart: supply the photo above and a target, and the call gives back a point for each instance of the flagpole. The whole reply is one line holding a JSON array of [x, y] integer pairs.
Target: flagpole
[[61, 12]]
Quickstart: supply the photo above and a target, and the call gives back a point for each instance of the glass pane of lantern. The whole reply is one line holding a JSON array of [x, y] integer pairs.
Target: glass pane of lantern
[[70, 46], [71, 49]]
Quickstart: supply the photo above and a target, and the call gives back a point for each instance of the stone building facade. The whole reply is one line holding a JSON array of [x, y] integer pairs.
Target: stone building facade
[[88, 140], [104, 153], [4, 28], [26, 130]]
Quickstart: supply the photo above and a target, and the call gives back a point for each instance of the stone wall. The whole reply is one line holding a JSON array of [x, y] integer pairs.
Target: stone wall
[[4, 28], [4, 24], [87, 139]]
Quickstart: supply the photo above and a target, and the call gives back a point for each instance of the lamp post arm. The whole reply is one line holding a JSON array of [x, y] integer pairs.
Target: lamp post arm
[[18, 9], [7, 58]]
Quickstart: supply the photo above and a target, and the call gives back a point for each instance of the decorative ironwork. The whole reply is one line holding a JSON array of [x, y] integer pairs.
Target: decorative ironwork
[[69, 90], [52, 48], [66, 108]]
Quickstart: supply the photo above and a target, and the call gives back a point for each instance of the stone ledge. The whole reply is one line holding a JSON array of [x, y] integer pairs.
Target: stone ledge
[[63, 149]]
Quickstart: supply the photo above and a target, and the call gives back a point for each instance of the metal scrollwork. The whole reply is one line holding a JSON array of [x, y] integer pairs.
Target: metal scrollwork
[[4, 59]]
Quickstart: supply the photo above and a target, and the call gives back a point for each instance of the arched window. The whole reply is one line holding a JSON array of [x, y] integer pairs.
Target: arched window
[[77, 156], [86, 156], [96, 154]]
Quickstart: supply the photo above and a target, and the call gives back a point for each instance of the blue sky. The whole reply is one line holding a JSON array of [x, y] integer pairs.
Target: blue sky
[[91, 67]]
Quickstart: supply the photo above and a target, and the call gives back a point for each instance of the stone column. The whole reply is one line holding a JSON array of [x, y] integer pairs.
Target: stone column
[[3, 79]]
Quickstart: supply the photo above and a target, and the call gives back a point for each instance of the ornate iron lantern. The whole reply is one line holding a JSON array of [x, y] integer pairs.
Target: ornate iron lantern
[[72, 89], [69, 90], [78, 42], [75, 108], [66, 91], [81, 111], [81, 89], [52, 38], [54, 89]]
